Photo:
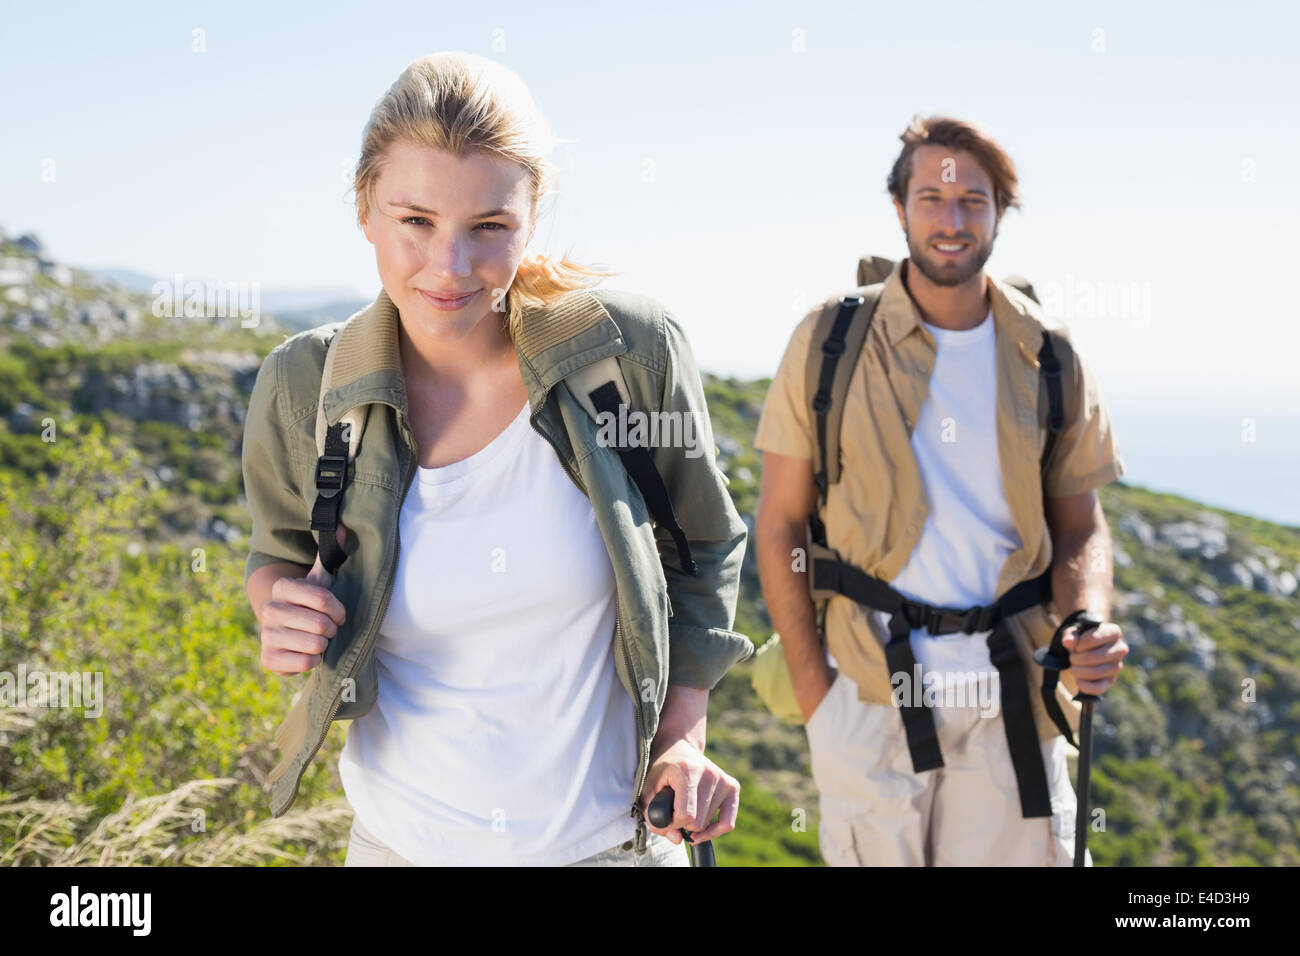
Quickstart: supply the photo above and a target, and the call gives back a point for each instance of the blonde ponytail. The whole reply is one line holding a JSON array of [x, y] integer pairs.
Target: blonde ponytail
[[542, 279]]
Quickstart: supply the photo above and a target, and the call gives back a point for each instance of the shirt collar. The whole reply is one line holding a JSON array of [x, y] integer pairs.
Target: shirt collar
[[1014, 314], [553, 341]]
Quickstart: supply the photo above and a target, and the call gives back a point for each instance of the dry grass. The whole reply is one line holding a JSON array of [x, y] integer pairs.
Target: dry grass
[[159, 831]]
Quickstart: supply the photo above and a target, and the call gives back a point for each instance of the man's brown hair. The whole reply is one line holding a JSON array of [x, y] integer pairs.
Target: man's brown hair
[[956, 135]]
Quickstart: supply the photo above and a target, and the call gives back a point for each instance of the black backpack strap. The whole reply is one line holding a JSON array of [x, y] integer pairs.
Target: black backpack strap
[[331, 477], [919, 727], [336, 445], [1049, 367], [1017, 712], [641, 466], [828, 382], [1053, 658], [1018, 722]]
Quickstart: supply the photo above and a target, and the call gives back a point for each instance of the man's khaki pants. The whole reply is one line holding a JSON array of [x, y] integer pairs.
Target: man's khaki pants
[[876, 811]]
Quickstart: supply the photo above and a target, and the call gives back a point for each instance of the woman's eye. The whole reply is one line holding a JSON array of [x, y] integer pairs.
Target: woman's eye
[[420, 222]]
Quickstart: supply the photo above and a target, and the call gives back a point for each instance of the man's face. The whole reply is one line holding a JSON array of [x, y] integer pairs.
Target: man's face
[[447, 225], [949, 219]]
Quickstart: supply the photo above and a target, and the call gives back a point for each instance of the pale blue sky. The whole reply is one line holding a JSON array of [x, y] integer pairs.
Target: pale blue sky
[[1155, 156]]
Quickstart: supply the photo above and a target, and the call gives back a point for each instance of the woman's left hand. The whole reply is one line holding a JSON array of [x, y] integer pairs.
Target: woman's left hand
[[701, 788]]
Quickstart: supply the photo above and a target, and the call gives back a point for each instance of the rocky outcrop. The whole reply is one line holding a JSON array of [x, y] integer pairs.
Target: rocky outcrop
[[1204, 540], [53, 304]]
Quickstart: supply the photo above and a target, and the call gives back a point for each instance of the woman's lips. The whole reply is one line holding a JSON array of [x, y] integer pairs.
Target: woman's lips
[[447, 305]]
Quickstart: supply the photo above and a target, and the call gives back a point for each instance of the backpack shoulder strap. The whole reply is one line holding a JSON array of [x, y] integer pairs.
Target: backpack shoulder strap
[[601, 389], [1022, 285], [873, 269], [1056, 369], [337, 445], [833, 353], [356, 417], [588, 379]]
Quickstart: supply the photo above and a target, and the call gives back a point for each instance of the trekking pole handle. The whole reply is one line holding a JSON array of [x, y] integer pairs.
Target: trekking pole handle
[[1086, 621], [660, 814]]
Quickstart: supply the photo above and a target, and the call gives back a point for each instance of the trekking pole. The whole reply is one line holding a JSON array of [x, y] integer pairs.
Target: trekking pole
[[1086, 623], [1085, 774], [1054, 659], [660, 813]]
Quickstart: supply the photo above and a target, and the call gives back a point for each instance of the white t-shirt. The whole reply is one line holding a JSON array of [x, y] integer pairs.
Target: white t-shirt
[[502, 734], [969, 532]]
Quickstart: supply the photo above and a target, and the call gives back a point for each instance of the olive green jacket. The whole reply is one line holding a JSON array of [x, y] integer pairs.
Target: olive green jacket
[[671, 628]]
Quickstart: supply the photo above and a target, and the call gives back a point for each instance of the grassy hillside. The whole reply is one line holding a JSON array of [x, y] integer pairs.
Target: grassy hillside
[[123, 535]]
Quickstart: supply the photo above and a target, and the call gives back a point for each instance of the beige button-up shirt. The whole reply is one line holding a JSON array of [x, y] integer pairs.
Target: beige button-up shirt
[[875, 512]]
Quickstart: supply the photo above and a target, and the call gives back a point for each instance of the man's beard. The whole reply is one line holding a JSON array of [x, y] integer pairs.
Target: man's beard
[[949, 274]]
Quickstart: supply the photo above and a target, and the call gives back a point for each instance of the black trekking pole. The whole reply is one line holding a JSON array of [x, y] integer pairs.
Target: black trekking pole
[[1054, 659], [660, 813], [1085, 775]]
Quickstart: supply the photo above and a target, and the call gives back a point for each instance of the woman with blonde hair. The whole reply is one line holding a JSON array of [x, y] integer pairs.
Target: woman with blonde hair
[[523, 640]]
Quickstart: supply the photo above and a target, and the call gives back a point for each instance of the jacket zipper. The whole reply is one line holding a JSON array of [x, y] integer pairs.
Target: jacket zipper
[[370, 638], [532, 421], [643, 753]]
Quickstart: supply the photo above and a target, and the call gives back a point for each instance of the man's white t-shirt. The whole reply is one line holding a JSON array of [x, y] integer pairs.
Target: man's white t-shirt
[[502, 733], [969, 532]]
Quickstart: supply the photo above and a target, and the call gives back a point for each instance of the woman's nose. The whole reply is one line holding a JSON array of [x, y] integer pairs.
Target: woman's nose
[[449, 255]]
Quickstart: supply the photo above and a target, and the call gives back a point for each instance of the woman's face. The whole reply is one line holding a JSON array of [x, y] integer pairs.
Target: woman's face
[[449, 233]]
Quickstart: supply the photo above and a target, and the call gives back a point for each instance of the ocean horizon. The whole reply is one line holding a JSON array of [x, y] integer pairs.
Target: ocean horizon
[[1246, 464]]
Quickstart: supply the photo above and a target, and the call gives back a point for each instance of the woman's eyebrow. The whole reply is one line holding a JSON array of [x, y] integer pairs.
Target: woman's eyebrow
[[407, 204]]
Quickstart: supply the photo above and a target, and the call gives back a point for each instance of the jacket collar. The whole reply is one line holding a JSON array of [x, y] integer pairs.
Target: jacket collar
[[1014, 315], [553, 341]]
